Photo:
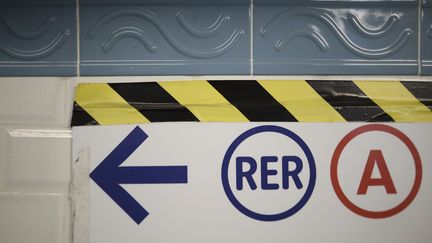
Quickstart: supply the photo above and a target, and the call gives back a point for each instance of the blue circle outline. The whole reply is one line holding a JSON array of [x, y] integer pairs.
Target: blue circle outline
[[230, 194]]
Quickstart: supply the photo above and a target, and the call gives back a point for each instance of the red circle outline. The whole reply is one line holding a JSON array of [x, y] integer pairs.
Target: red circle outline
[[334, 171]]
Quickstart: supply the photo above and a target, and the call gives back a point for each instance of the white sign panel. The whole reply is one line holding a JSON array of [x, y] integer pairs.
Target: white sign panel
[[256, 182]]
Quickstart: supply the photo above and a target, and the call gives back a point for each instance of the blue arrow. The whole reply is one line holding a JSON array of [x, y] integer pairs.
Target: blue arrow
[[108, 175]]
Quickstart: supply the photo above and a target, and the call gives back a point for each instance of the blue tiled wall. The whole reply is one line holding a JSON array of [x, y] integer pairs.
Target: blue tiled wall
[[38, 38], [197, 37], [165, 39], [329, 38]]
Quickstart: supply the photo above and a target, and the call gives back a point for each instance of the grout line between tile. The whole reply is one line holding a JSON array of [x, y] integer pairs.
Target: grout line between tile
[[251, 23], [419, 17], [78, 37]]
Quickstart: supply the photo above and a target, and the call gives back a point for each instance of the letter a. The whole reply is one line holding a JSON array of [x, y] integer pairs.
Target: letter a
[[376, 157]]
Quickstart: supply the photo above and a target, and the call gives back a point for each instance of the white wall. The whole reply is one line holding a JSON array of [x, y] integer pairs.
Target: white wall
[[35, 152], [35, 159]]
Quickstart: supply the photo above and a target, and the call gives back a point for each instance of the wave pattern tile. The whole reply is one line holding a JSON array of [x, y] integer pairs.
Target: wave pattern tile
[[165, 39], [38, 39], [335, 37]]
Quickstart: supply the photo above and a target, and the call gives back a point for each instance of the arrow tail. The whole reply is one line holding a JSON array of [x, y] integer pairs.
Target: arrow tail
[[151, 174]]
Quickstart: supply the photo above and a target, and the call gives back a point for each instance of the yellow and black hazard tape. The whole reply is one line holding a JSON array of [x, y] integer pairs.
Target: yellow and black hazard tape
[[252, 100]]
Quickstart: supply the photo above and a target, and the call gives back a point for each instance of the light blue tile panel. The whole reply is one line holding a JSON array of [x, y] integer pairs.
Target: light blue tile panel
[[38, 39], [426, 38], [336, 37], [159, 2], [165, 39], [37, 2], [333, 2]]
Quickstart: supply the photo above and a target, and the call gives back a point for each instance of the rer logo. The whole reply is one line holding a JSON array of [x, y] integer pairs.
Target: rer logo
[[268, 173], [376, 171]]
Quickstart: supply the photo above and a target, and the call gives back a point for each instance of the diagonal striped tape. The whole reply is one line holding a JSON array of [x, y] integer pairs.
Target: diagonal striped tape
[[251, 100], [106, 106], [203, 101], [298, 97], [396, 100], [350, 101]]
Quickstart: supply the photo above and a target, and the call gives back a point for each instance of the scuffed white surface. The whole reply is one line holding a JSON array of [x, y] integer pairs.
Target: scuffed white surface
[[80, 196], [34, 218], [200, 211], [35, 159], [36, 101]]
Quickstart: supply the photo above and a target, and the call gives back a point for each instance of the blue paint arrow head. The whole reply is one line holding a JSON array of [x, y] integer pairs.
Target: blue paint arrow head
[[108, 175]]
